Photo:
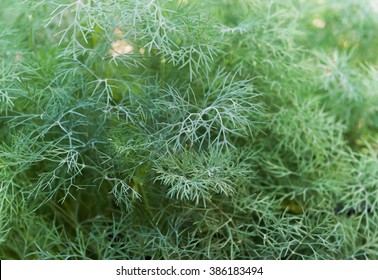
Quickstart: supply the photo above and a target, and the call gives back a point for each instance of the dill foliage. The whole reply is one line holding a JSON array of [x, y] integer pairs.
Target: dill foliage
[[184, 129]]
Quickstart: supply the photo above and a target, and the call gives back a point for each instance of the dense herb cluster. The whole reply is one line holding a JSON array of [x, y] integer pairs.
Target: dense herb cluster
[[180, 129]]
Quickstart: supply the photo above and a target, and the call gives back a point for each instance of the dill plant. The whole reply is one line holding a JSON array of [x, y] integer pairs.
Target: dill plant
[[188, 129]]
